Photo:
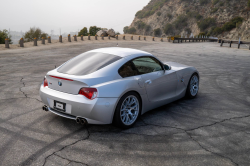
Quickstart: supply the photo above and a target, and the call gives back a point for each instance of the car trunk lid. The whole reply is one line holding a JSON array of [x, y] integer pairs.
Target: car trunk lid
[[65, 84]]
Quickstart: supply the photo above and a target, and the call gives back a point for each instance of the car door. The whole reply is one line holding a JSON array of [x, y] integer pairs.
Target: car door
[[160, 85]]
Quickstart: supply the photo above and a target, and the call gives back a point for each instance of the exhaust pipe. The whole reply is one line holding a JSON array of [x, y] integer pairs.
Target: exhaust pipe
[[81, 121], [45, 108], [78, 120]]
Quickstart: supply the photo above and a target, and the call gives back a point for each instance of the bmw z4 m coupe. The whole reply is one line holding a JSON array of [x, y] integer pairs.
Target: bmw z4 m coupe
[[115, 85]]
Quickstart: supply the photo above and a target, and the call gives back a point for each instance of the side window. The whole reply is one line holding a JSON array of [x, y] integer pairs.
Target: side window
[[147, 65], [128, 70]]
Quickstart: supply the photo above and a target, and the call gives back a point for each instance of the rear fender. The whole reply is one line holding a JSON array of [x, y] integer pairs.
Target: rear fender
[[118, 88]]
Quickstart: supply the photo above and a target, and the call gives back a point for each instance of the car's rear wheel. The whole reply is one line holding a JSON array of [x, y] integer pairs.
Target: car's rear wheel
[[127, 110], [193, 86]]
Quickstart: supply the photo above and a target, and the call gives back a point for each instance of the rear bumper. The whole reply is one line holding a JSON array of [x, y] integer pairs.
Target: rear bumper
[[97, 111]]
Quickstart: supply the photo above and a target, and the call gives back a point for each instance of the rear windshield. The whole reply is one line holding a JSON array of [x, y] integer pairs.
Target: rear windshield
[[87, 63]]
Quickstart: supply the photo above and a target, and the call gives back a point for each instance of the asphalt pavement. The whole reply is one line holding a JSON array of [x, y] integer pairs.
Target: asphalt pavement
[[212, 129]]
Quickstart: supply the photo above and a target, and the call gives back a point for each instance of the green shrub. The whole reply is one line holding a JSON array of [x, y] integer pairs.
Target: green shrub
[[215, 2], [187, 1], [188, 30], [151, 8], [169, 15], [238, 24], [228, 26], [221, 3], [93, 30], [217, 31], [237, 20], [157, 32], [147, 13], [202, 34], [180, 22], [128, 30], [4, 35], [194, 15], [203, 2], [34, 33], [158, 13], [83, 31], [139, 14], [214, 10], [132, 30], [248, 3], [198, 17], [168, 29], [147, 28], [140, 24], [206, 23]]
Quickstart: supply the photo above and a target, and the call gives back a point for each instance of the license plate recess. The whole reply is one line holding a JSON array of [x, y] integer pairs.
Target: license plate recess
[[60, 106]]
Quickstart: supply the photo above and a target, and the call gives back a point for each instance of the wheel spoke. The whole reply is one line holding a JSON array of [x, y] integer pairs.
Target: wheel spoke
[[194, 85], [123, 118], [133, 108], [129, 110], [127, 118], [132, 102], [123, 114]]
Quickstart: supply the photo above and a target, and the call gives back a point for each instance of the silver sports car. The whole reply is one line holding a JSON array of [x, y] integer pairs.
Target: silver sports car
[[115, 85]]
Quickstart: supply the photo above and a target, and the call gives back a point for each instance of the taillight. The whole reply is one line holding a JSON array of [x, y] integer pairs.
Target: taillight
[[90, 93], [45, 82]]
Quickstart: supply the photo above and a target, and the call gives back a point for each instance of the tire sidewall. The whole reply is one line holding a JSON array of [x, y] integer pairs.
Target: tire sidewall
[[117, 118], [188, 93]]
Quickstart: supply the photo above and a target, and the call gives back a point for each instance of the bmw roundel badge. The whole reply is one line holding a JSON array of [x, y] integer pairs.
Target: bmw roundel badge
[[59, 83]]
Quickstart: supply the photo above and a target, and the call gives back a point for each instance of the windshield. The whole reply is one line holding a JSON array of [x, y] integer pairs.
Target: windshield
[[87, 63]]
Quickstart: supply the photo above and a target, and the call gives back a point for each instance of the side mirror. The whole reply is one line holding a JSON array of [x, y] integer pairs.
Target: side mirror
[[166, 67]]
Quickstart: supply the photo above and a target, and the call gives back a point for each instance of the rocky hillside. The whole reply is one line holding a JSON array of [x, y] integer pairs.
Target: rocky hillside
[[222, 18]]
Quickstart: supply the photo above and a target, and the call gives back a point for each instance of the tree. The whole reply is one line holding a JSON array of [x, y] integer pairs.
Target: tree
[[93, 30], [4, 35], [83, 31], [125, 29], [35, 33]]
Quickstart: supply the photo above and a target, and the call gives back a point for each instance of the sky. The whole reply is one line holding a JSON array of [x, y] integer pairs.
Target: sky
[[69, 15]]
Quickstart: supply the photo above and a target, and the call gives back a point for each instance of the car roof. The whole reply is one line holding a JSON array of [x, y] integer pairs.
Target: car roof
[[122, 52]]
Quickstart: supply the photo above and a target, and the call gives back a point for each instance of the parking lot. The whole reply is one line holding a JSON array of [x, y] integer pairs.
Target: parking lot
[[212, 129]]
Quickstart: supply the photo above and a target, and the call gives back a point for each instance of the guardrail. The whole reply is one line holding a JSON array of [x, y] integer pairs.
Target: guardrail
[[230, 42], [170, 39], [180, 40]]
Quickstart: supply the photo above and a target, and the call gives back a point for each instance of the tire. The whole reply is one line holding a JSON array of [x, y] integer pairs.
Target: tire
[[193, 87], [124, 116]]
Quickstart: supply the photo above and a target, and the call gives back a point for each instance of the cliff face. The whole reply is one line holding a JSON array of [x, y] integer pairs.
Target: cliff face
[[222, 18]]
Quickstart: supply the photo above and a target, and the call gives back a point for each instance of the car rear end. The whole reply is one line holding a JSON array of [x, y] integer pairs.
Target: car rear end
[[70, 92]]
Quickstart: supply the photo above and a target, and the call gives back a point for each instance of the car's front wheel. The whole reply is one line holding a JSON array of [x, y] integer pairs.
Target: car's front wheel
[[127, 110]]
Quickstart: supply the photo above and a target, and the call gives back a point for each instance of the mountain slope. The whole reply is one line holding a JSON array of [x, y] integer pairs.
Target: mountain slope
[[222, 18]]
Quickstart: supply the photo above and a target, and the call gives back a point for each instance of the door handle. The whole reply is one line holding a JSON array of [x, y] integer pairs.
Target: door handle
[[148, 82]]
